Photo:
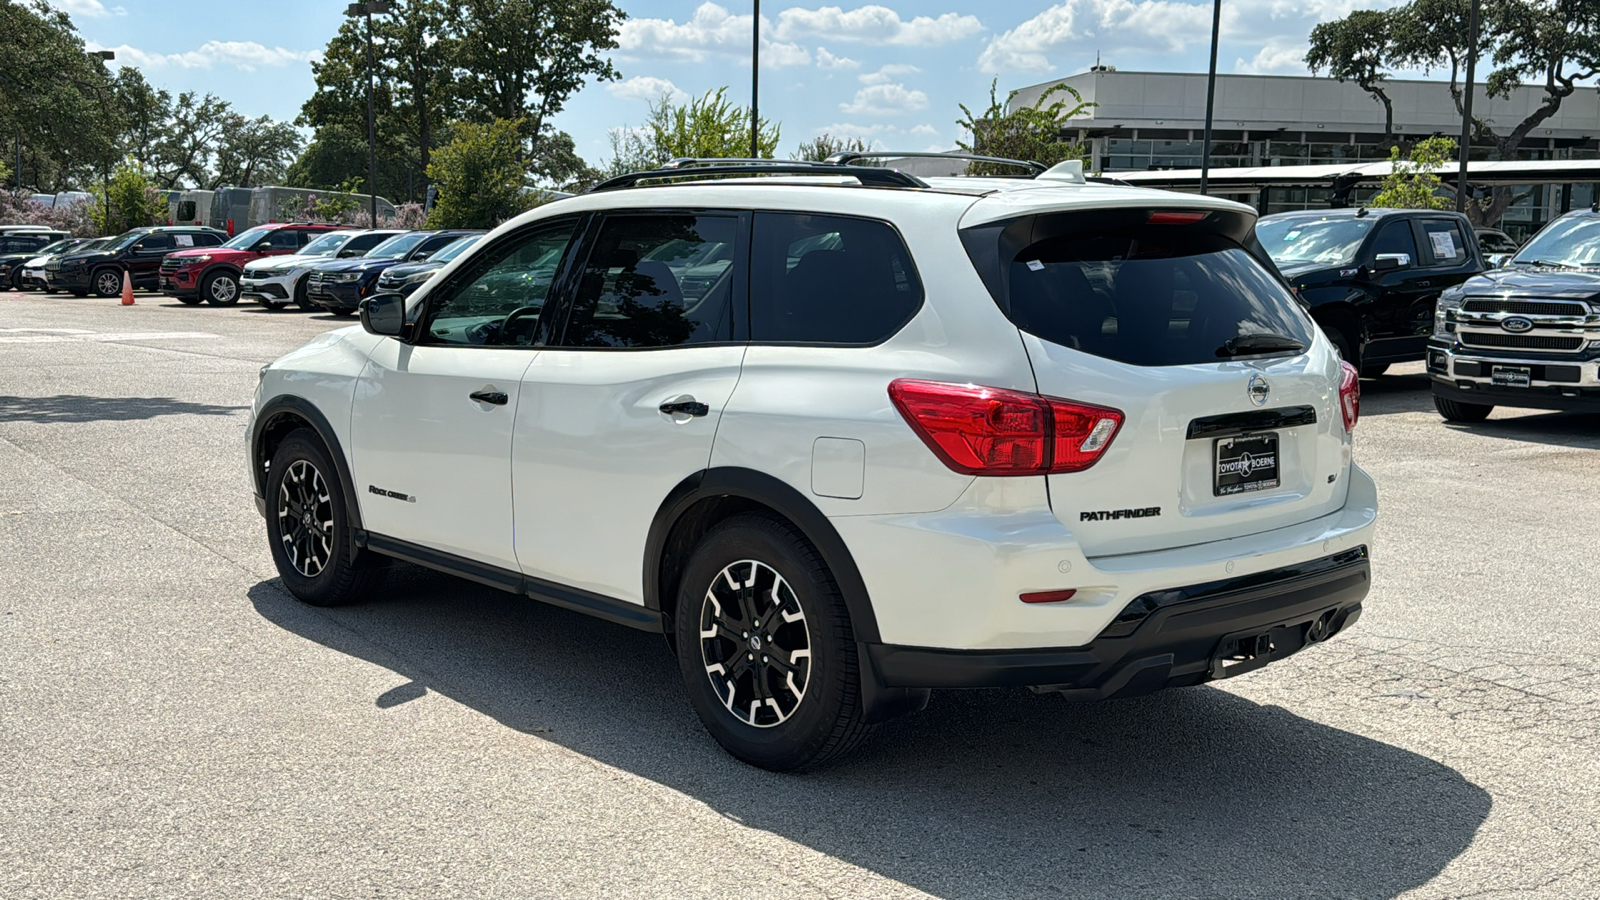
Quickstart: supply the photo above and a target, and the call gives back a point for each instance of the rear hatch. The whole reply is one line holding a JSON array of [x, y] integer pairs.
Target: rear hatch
[[1170, 314]]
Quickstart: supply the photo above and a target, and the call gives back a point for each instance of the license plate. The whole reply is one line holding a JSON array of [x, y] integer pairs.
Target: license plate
[[1511, 376], [1244, 464]]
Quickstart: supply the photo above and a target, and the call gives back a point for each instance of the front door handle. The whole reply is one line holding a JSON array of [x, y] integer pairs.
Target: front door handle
[[692, 407], [1424, 284], [496, 398]]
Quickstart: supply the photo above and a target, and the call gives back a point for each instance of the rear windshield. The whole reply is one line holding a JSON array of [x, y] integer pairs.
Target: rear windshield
[[1153, 296]]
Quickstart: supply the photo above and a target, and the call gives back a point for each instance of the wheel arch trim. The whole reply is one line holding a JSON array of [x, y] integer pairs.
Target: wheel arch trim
[[749, 484], [303, 409]]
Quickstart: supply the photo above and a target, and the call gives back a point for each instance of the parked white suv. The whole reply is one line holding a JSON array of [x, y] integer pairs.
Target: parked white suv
[[844, 439]]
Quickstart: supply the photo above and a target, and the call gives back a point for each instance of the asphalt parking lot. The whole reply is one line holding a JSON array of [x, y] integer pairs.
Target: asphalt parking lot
[[173, 724]]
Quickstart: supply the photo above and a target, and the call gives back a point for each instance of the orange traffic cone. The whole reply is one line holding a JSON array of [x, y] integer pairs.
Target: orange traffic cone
[[127, 289]]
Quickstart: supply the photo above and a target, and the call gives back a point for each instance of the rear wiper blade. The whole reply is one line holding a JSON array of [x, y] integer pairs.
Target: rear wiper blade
[[1258, 343]]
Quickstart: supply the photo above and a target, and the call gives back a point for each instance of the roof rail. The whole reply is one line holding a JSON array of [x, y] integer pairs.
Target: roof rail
[[703, 169], [846, 157]]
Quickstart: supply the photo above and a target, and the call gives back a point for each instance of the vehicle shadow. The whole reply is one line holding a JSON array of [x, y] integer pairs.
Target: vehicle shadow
[[77, 409], [1193, 793], [1550, 427], [1388, 394]]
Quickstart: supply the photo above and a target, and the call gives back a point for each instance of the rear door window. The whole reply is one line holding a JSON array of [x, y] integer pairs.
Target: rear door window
[[1445, 244], [820, 279], [1152, 296], [658, 281]]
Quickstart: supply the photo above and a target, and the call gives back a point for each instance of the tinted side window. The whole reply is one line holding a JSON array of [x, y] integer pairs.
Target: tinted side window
[[282, 239], [155, 242], [514, 275], [1396, 237], [427, 247], [361, 243], [1445, 242], [829, 280], [185, 210], [657, 281]]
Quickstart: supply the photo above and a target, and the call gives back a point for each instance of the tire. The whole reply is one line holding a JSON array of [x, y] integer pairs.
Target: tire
[[342, 312], [317, 558], [220, 288], [783, 730], [1456, 411], [106, 282], [51, 290], [1343, 342], [301, 298], [1374, 370], [190, 301], [16, 281], [79, 293]]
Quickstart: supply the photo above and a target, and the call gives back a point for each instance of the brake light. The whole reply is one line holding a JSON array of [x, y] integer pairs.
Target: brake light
[[1175, 217], [993, 431], [1350, 396], [1047, 596]]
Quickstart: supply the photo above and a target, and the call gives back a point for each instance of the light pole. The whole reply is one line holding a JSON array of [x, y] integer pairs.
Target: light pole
[[105, 170], [1211, 95], [755, 82], [368, 8], [1466, 109]]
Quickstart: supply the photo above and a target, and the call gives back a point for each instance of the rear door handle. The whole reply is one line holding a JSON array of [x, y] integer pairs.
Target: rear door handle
[[496, 398], [692, 407]]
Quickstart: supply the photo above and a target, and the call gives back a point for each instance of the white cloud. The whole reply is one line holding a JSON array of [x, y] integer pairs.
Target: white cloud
[[826, 60], [1087, 26], [874, 25], [711, 30], [642, 87], [245, 55], [88, 9], [1274, 59], [888, 73], [885, 100]]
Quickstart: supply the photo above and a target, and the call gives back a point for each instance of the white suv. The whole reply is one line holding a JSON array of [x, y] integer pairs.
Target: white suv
[[845, 438]]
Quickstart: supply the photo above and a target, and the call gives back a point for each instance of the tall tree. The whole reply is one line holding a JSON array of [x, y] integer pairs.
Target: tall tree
[[707, 126], [481, 180], [1413, 181], [1359, 48], [520, 60], [145, 110], [183, 153], [1552, 46], [254, 152], [54, 96]]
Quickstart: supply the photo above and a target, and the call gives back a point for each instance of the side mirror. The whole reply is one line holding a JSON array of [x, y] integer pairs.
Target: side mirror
[[1388, 262], [347, 254], [384, 315]]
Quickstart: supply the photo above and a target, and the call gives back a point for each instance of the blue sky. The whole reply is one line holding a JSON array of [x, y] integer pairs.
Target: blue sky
[[890, 72]]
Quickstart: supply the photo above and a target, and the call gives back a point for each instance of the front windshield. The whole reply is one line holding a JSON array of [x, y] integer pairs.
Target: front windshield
[[327, 245], [455, 248], [58, 246], [398, 246], [247, 239], [1564, 242], [120, 242], [1306, 240]]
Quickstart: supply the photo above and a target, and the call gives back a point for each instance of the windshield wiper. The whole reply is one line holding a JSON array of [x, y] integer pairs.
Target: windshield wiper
[[1259, 343], [1544, 262]]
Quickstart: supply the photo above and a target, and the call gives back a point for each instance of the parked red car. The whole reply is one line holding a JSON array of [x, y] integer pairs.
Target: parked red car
[[212, 274]]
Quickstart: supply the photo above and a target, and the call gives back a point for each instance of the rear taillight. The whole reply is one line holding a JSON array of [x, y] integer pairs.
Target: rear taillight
[[992, 431], [1350, 396]]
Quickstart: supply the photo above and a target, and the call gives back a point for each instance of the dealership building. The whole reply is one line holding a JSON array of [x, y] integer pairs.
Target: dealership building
[[1145, 121]]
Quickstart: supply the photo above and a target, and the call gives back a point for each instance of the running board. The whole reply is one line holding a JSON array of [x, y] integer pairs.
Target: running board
[[620, 612]]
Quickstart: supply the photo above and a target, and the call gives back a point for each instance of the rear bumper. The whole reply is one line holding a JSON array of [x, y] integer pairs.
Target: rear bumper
[[1168, 638]]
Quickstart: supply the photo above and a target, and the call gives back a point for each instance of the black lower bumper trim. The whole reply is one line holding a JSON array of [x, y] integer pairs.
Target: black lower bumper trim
[[1178, 641], [1567, 398]]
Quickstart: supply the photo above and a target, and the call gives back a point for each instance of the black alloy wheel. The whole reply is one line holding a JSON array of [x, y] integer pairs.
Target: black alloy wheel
[[766, 648], [108, 283], [220, 289], [308, 527]]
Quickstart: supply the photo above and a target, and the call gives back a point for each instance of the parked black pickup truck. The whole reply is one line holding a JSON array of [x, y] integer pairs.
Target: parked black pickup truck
[[1525, 335], [1371, 276]]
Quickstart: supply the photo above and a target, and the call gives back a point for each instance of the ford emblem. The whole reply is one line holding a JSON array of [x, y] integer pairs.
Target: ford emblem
[[1259, 390], [1516, 324]]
